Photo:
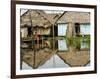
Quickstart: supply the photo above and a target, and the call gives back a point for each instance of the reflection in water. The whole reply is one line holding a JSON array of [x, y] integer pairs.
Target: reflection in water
[[62, 56], [38, 57], [62, 45]]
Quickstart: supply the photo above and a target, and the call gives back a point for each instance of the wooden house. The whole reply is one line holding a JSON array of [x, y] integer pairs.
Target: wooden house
[[35, 21], [78, 23], [74, 23], [67, 23]]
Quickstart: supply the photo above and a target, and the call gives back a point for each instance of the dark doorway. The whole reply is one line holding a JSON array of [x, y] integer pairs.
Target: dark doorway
[[55, 30], [29, 31], [77, 29]]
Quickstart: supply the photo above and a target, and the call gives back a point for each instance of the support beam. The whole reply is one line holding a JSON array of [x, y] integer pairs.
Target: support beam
[[70, 28], [53, 38]]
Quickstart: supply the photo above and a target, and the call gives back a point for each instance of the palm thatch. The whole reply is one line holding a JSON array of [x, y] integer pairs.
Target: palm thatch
[[35, 18], [75, 17]]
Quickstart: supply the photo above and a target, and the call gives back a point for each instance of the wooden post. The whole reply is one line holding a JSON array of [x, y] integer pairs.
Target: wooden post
[[21, 57], [53, 39], [69, 36], [70, 29], [42, 42]]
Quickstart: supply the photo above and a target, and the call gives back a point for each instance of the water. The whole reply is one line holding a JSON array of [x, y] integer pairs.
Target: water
[[62, 45], [55, 60]]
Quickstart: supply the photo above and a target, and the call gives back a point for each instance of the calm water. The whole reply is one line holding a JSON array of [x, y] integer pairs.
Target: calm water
[[46, 59]]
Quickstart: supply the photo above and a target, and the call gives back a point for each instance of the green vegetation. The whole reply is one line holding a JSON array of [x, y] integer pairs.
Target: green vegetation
[[76, 41]]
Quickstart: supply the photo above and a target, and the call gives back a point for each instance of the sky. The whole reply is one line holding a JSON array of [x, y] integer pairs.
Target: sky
[[47, 11], [23, 11]]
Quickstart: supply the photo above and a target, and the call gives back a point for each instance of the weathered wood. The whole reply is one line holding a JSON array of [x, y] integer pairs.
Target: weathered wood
[[70, 28]]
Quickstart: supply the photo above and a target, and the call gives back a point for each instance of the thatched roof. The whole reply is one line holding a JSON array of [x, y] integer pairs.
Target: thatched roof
[[53, 17], [42, 19], [75, 17], [35, 18]]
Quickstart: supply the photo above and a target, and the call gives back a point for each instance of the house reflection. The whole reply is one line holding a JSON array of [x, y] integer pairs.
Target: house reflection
[[36, 58]]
